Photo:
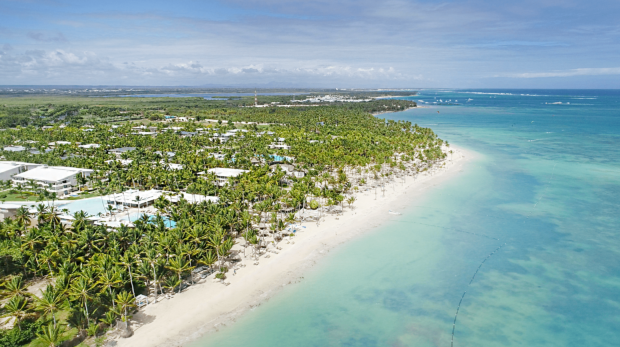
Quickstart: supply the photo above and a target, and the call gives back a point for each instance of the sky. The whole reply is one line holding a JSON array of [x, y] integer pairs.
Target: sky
[[312, 43]]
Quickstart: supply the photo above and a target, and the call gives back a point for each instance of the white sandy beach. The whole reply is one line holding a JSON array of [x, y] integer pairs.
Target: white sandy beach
[[208, 305]]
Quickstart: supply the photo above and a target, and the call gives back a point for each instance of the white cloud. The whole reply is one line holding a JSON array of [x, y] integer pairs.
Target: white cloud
[[63, 66], [567, 73]]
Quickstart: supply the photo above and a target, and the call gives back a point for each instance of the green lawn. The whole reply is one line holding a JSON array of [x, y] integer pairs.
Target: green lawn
[[85, 196], [27, 196], [19, 197]]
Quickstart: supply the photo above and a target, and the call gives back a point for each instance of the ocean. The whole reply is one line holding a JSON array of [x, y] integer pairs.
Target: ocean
[[522, 247]]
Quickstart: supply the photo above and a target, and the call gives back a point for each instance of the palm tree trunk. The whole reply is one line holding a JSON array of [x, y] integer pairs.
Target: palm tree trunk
[[154, 282], [133, 291], [111, 295], [191, 275]]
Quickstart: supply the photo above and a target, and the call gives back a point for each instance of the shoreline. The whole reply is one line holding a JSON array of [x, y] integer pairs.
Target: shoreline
[[407, 109], [208, 305]]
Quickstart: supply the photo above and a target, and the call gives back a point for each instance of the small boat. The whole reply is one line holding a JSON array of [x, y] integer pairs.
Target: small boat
[[393, 212]]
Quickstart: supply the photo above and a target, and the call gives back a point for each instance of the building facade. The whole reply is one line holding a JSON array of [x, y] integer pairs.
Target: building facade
[[55, 179]]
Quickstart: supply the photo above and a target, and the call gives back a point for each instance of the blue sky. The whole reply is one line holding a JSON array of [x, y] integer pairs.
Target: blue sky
[[351, 43]]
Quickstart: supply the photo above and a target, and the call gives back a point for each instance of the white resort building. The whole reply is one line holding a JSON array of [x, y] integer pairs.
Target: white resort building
[[119, 151], [279, 143], [55, 179], [192, 198], [14, 148], [90, 145], [136, 198], [223, 174], [10, 168], [59, 143]]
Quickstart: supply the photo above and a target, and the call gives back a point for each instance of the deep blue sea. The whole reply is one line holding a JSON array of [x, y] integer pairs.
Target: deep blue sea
[[536, 219]]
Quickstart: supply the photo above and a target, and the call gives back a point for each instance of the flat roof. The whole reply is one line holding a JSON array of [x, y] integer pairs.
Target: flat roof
[[129, 196], [10, 206], [123, 149], [15, 148], [171, 166], [192, 198], [50, 173], [90, 145], [122, 161], [10, 165], [226, 172]]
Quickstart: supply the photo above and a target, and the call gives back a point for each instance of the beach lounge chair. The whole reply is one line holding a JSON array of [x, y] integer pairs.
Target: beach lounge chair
[[142, 300]]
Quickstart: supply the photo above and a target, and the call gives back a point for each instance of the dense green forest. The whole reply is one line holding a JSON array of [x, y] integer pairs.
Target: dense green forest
[[44, 110]]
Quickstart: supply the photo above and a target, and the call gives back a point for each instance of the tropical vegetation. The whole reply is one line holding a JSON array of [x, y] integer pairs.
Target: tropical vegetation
[[94, 273]]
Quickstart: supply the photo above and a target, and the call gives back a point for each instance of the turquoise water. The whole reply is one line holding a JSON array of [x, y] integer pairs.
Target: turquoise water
[[280, 158], [92, 206], [526, 239]]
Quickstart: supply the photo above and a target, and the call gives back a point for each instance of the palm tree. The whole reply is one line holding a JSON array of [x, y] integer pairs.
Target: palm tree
[[81, 290], [109, 279], [127, 259], [189, 250], [41, 213], [208, 258], [48, 257], [350, 201], [137, 200], [125, 302], [51, 335], [17, 307], [15, 287], [50, 301], [172, 282], [23, 217], [54, 217], [53, 196], [179, 265], [20, 189], [215, 241], [79, 222], [151, 259]]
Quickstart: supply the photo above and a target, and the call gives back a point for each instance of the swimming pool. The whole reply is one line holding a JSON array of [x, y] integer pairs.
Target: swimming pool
[[280, 158], [92, 206]]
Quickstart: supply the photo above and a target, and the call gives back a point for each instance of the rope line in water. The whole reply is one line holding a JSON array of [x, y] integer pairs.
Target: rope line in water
[[525, 217], [463, 296]]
